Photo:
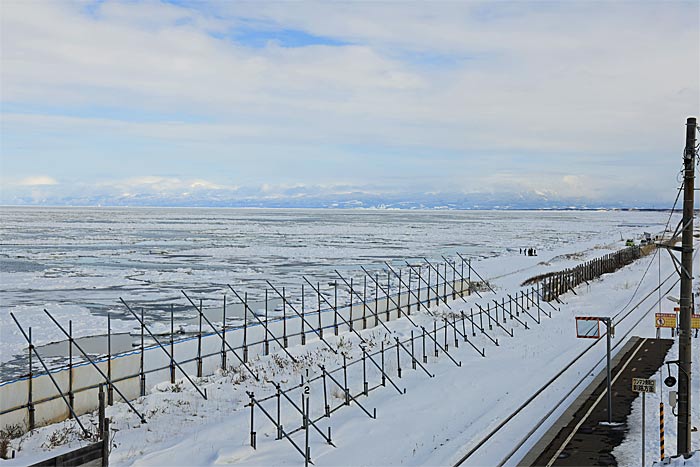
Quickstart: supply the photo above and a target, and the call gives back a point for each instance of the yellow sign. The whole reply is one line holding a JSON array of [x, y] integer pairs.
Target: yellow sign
[[670, 320], [666, 320]]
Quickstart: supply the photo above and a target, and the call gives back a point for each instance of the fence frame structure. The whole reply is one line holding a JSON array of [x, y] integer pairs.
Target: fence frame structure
[[350, 398], [106, 365]]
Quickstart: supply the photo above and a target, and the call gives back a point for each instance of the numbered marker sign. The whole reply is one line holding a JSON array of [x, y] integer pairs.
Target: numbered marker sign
[[587, 327], [643, 385]]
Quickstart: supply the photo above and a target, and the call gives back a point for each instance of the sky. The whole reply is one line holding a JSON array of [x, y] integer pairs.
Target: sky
[[456, 104]]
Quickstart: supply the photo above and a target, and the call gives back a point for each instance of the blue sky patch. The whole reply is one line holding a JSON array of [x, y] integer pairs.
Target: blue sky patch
[[258, 38]]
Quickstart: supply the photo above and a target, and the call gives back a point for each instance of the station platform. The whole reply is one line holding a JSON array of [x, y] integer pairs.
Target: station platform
[[581, 436]]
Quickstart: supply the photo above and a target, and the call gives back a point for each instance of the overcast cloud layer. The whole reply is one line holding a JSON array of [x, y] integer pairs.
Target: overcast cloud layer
[[524, 104]]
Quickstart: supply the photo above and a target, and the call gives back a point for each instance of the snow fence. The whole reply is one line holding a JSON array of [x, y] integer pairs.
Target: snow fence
[[38, 400]]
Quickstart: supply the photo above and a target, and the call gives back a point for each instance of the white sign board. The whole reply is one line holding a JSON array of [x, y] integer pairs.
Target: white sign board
[[643, 385]]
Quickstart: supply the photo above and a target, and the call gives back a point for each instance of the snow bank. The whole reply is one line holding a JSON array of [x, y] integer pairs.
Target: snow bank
[[680, 461]]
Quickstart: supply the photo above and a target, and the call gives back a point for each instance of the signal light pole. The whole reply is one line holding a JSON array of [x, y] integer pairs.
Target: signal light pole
[[686, 301]]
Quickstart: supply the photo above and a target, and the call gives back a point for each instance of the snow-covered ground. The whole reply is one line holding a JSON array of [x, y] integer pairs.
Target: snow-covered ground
[[436, 421], [679, 461]]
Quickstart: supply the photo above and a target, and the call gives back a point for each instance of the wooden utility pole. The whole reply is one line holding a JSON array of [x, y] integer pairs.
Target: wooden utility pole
[[686, 302]]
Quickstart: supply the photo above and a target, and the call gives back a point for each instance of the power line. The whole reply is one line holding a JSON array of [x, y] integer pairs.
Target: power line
[[656, 251], [561, 372]]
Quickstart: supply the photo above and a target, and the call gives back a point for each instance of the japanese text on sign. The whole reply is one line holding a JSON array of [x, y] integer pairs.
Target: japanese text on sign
[[643, 385]]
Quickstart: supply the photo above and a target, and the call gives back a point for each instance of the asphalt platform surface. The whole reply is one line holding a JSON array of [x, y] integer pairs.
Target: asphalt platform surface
[[581, 436]]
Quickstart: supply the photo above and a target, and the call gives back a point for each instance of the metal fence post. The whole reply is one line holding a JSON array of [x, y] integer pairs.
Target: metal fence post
[[30, 397]]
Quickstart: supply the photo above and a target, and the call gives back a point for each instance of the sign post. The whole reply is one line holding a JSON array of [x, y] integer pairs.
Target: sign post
[[644, 386], [588, 327]]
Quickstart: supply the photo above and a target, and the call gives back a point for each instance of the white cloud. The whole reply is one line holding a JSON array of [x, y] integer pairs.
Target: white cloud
[[458, 82], [37, 180], [157, 184], [543, 72]]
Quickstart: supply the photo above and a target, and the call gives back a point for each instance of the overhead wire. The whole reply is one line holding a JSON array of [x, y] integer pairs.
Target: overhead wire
[[639, 284], [568, 394], [555, 377], [634, 326], [656, 251]]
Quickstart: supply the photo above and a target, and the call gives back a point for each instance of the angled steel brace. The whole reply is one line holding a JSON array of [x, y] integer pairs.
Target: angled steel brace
[[338, 314], [222, 338], [245, 304], [316, 331], [87, 357], [58, 388], [477, 274], [203, 394]]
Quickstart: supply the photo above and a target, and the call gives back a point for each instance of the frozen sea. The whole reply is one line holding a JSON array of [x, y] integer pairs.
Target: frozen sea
[[79, 261]]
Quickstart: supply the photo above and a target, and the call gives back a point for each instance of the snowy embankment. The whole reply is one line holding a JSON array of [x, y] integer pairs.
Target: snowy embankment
[[435, 422], [680, 461]]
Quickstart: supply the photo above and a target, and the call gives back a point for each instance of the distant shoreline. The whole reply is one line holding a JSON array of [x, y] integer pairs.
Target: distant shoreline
[[335, 208]]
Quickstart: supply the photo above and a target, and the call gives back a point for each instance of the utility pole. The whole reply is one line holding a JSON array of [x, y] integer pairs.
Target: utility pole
[[686, 302], [608, 324]]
